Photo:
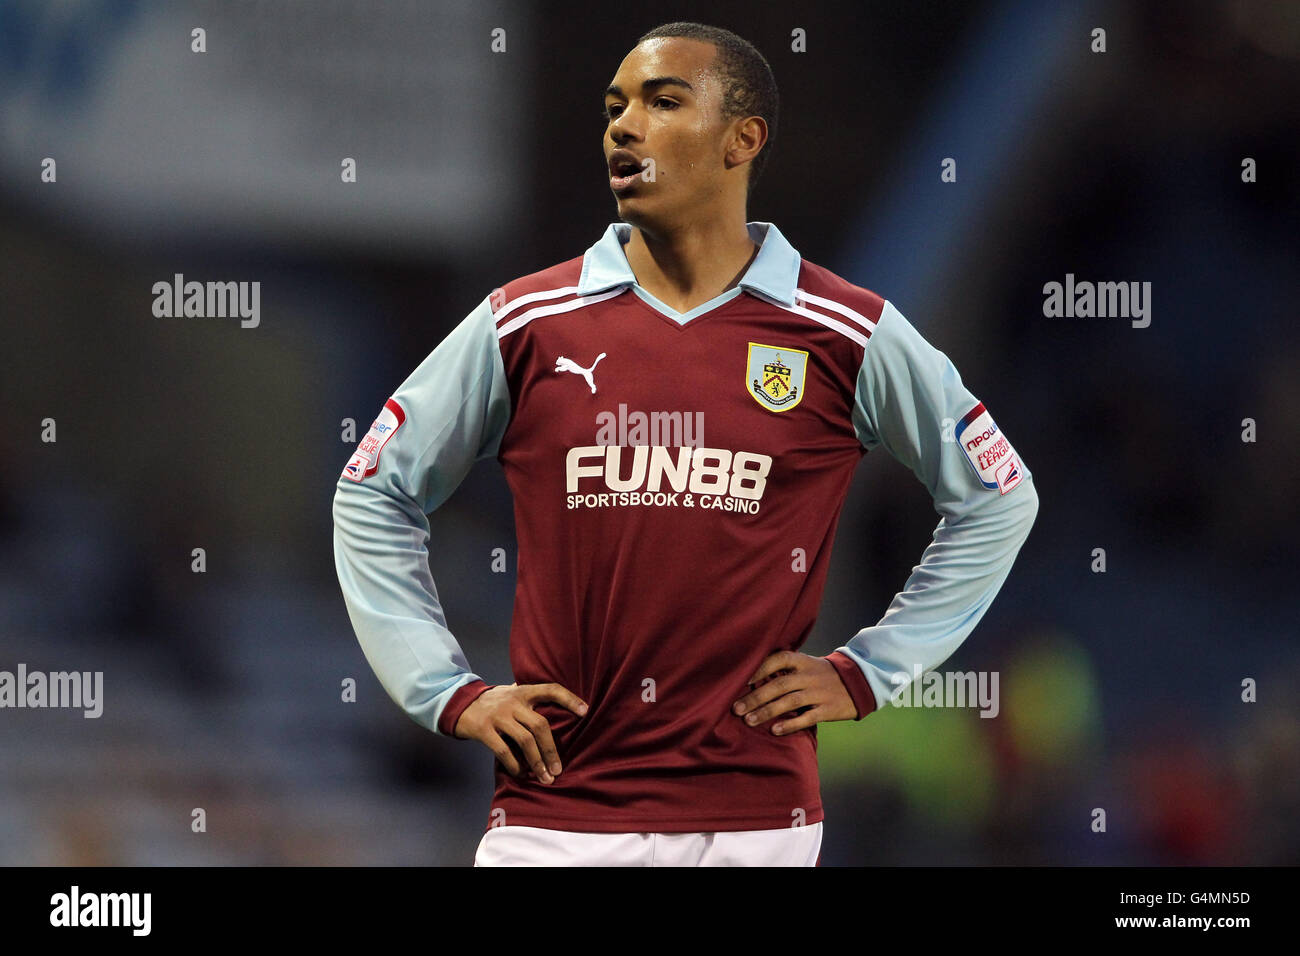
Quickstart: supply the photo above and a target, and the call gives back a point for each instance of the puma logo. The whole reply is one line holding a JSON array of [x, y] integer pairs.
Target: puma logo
[[563, 364]]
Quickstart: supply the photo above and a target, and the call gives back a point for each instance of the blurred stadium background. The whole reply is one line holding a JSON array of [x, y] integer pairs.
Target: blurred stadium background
[[222, 690]]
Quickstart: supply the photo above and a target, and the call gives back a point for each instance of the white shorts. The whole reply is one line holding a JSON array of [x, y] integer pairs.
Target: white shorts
[[535, 846]]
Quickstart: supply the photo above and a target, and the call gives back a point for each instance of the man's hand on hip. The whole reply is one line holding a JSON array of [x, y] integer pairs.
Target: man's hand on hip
[[789, 681], [506, 712]]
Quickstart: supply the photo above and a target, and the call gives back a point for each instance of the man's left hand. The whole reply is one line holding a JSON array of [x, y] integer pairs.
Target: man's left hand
[[789, 681]]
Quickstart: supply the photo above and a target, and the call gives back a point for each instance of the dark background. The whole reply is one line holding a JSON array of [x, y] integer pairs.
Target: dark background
[[1119, 690]]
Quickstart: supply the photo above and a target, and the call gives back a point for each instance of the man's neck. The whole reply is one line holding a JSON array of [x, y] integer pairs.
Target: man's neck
[[690, 266]]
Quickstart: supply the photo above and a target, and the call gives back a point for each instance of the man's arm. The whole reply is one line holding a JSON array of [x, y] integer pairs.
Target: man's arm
[[911, 400], [450, 412]]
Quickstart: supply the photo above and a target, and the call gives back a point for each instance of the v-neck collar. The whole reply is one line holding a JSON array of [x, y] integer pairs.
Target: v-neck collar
[[683, 317], [773, 273]]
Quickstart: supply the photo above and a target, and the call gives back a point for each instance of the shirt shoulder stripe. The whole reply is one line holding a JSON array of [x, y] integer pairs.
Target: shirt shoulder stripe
[[839, 307], [553, 282], [519, 321], [530, 297], [847, 331]]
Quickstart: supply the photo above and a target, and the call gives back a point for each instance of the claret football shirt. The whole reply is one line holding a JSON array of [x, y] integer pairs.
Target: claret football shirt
[[677, 480]]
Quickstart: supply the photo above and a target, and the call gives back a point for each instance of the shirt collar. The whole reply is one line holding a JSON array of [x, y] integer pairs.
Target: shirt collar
[[773, 273]]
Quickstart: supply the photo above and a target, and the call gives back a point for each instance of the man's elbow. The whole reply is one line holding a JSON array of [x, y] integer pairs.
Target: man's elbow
[[354, 507], [343, 505], [370, 505], [1028, 504], [341, 496]]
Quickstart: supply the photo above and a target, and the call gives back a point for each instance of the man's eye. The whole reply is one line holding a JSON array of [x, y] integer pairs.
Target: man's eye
[[610, 112]]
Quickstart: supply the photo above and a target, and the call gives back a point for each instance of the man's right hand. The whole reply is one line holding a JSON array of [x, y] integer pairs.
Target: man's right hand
[[506, 711]]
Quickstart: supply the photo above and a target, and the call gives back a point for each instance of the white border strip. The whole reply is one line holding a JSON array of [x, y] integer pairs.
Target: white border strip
[[826, 320], [842, 309], [532, 297], [520, 321]]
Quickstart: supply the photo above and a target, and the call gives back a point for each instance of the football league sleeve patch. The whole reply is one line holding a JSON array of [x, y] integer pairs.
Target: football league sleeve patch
[[995, 462], [365, 460]]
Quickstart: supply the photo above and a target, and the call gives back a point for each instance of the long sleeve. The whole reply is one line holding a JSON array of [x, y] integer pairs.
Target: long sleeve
[[911, 400], [450, 412]]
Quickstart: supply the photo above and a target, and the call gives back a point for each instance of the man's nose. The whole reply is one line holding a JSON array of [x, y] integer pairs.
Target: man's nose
[[624, 128]]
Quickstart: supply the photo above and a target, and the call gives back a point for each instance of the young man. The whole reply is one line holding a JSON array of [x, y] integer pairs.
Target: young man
[[679, 412]]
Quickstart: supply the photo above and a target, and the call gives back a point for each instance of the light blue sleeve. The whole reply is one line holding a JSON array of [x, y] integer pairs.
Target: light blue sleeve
[[911, 400], [453, 411]]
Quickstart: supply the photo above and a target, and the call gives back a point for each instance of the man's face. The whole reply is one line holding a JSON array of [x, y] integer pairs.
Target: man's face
[[665, 141]]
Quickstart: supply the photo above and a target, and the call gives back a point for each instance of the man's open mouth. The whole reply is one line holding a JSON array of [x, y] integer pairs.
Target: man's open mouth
[[624, 169]]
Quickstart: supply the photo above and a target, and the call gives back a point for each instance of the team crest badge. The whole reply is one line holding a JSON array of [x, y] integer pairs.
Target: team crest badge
[[775, 375]]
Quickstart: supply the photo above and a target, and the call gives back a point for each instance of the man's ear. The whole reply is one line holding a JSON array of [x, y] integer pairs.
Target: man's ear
[[748, 137]]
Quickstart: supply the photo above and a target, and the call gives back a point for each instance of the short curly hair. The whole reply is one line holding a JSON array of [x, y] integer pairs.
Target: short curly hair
[[749, 88]]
